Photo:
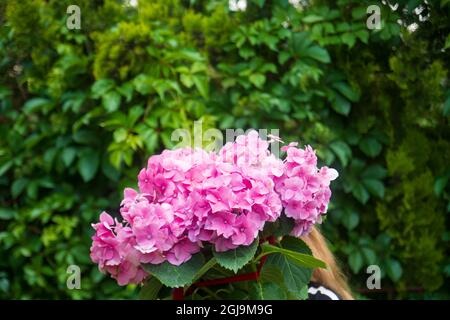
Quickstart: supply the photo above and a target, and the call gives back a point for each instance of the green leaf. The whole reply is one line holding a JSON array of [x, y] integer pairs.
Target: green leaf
[[35, 104], [300, 42], [375, 187], [5, 167], [7, 214], [246, 52], [349, 39], [375, 172], [88, 164], [350, 219], [150, 289], [363, 35], [260, 3], [370, 146], [341, 105], [394, 269], [312, 18], [295, 276], [292, 247], [68, 155], [201, 83], [205, 268], [355, 261], [318, 53], [18, 186], [271, 274], [108, 170], [268, 291], [111, 101], [360, 193], [143, 84], [126, 90], [176, 276], [186, 79], [235, 259], [359, 13], [447, 106], [84, 136], [346, 91], [369, 255], [440, 184], [342, 150], [120, 135], [280, 228], [283, 56], [101, 86], [447, 41], [257, 79]]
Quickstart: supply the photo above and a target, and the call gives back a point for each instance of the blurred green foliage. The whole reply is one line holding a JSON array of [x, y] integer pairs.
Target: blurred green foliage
[[81, 111]]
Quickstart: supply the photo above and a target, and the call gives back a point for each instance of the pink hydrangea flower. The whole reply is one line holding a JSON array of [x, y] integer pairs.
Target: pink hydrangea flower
[[182, 252], [303, 188], [112, 248], [189, 197], [105, 246]]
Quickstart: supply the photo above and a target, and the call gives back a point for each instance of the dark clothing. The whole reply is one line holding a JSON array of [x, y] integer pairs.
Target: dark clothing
[[319, 292]]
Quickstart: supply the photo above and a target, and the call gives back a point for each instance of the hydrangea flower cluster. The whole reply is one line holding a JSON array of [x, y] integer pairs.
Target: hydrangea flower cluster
[[303, 188], [189, 198]]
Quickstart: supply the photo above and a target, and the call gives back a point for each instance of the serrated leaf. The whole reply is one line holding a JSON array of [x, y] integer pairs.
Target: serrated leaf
[[271, 274], [267, 291], [150, 289], [205, 268], [301, 259], [235, 259], [295, 277], [176, 276]]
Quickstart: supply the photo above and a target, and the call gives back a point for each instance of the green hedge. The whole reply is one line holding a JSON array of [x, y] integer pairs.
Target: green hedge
[[81, 111]]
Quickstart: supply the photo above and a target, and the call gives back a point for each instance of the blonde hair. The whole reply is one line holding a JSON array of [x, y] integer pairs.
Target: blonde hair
[[331, 277]]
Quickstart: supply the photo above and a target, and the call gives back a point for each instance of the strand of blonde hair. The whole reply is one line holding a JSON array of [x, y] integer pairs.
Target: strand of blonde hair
[[331, 277]]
